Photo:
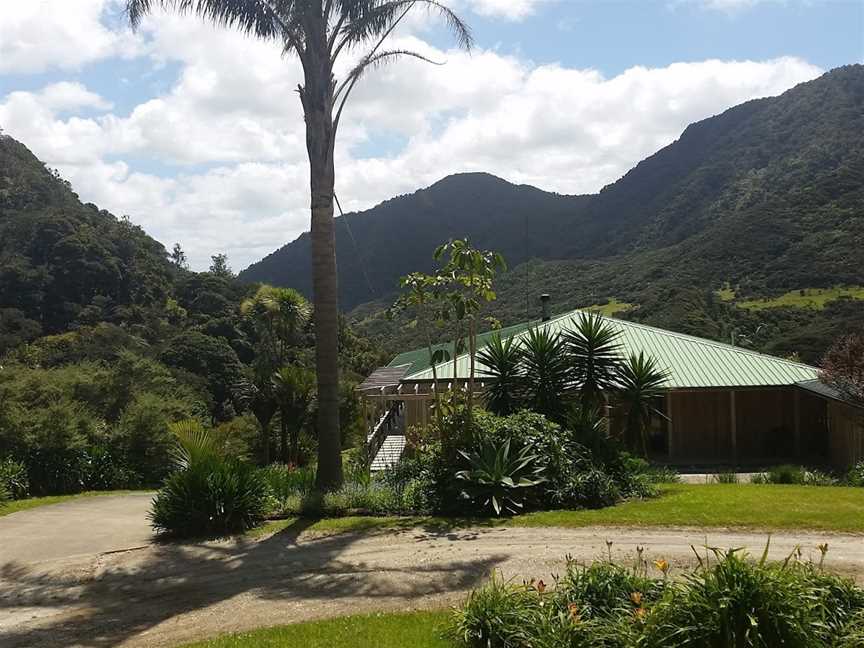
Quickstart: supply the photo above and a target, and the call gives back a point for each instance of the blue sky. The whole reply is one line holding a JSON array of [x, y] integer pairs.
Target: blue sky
[[196, 134]]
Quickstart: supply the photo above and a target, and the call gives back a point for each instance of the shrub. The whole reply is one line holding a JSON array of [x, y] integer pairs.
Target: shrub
[[591, 488], [13, 479], [855, 476], [209, 494], [725, 477], [787, 474]]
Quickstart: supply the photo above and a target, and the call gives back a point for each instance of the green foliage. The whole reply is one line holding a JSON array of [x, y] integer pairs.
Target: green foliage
[[787, 474], [595, 357], [640, 388], [503, 362], [209, 494], [739, 603], [13, 479], [498, 479], [547, 372], [730, 603]]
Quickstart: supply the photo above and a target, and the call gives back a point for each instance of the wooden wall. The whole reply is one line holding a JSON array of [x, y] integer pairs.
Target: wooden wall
[[747, 426], [847, 434], [700, 422]]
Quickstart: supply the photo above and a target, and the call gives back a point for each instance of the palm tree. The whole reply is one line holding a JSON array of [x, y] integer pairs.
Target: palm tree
[[318, 32], [294, 389], [594, 352], [640, 385]]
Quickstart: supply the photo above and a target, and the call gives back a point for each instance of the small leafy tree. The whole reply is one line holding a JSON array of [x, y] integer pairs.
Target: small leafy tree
[[423, 295], [468, 275], [843, 367]]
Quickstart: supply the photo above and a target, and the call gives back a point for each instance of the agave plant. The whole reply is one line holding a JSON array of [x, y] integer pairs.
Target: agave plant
[[499, 479], [503, 364], [594, 355]]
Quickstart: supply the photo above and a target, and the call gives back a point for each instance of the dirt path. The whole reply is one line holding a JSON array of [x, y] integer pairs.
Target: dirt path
[[164, 595], [84, 526]]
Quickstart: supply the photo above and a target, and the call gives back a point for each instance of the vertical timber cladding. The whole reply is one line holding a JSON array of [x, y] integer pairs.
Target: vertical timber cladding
[[847, 434], [765, 424], [701, 426], [763, 429]]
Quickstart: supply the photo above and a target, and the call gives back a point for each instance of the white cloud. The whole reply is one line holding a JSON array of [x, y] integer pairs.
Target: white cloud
[[218, 161], [508, 9], [37, 35]]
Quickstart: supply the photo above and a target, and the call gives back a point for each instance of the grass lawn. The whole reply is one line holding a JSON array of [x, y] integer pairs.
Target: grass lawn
[[755, 506], [611, 308], [14, 506], [415, 629], [812, 298]]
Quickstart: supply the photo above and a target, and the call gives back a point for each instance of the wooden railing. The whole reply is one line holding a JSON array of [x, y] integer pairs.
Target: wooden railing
[[382, 429]]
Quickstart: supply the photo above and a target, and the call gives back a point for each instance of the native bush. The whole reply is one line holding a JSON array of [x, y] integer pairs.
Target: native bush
[[209, 494], [13, 478]]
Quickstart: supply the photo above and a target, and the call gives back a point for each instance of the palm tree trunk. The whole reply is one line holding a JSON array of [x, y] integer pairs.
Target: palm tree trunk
[[317, 99], [283, 439]]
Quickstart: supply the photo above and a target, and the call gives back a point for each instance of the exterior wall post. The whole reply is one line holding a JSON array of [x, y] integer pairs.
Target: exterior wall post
[[733, 427], [669, 426], [797, 424]]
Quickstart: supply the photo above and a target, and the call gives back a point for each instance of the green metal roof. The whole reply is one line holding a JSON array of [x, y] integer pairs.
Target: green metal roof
[[692, 362]]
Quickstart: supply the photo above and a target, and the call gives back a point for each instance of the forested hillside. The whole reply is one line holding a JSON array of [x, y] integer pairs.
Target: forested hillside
[[106, 339], [767, 198]]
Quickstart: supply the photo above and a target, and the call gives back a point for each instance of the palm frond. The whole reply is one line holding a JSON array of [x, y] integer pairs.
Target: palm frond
[[371, 61], [363, 20], [264, 19]]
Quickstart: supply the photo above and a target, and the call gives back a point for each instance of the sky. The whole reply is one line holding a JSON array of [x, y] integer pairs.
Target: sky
[[196, 133]]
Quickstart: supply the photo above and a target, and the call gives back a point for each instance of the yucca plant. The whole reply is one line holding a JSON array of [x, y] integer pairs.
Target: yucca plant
[[595, 357], [640, 384], [498, 478], [546, 372], [502, 360]]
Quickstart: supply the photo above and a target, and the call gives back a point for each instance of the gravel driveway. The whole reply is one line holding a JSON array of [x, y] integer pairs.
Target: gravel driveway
[[53, 594]]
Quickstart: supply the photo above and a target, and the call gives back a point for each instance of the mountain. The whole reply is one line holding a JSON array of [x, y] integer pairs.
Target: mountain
[[374, 248], [767, 197]]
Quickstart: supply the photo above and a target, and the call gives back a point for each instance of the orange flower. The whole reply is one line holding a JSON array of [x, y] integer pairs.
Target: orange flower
[[541, 586], [640, 613], [662, 565], [636, 597], [574, 612]]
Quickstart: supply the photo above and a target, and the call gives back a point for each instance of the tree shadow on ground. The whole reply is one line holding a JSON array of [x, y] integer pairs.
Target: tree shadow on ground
[[122, 596]]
